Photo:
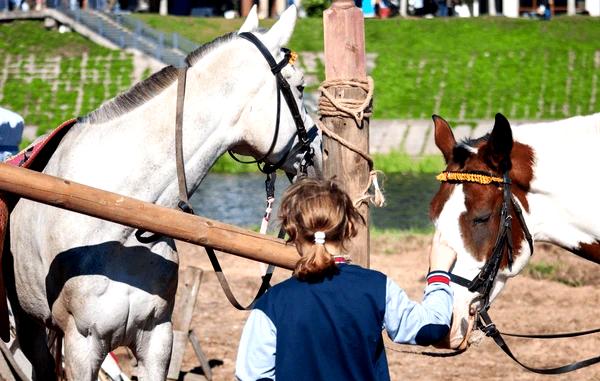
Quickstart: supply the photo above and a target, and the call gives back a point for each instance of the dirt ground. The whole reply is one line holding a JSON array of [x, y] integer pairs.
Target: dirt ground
[[527, 305]]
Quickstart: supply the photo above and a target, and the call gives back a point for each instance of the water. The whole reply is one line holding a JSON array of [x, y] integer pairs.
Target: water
[[240, 200]]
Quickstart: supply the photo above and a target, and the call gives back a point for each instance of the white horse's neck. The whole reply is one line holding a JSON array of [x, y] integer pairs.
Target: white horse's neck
[[214, 104], [563, 190]]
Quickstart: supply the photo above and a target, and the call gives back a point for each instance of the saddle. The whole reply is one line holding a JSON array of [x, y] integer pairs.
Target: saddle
[[34, 157]]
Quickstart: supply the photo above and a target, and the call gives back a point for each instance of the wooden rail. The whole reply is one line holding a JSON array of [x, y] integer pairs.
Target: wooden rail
[[138, 214]]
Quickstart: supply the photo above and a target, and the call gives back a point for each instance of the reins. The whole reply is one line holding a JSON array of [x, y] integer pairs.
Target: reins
[[303, 146], [483, 282], [283, 89]]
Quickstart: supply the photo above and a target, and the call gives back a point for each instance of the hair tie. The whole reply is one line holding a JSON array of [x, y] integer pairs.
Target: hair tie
[[320, 238]]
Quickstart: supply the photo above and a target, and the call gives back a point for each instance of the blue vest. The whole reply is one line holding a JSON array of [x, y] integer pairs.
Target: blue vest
[[329, 330]]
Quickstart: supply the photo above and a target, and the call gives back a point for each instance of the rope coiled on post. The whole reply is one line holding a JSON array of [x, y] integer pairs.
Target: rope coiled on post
[[357, 109]]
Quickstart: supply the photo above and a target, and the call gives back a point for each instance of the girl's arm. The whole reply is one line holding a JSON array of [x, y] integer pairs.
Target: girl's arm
[[256, 353], [412, 323]]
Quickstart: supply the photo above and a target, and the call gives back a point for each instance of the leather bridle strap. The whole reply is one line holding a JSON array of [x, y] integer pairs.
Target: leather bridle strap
[[264, 285], [184, 203], [483, 282], [553, 335], [487, 326], [283, 88]]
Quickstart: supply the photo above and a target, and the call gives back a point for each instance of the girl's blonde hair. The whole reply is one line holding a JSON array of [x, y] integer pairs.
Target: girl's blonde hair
[[310, 206]]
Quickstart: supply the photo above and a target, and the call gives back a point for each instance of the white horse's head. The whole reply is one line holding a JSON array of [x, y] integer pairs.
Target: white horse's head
[[466, 213], [258, 122]]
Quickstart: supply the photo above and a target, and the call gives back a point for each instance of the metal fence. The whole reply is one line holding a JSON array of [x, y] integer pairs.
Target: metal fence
[[122, 29]]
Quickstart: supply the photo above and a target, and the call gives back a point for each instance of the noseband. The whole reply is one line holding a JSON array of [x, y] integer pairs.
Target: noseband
[[484, 280], [283, 88]]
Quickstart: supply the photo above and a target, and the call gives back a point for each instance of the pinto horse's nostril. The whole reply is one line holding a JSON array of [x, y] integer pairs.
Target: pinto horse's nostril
[[472, 310]]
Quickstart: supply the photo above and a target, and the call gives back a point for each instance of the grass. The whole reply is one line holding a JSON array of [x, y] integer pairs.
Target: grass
[[400, 162], [462, 69], [52, 77], [399, 233], [551, 271], [225, 164], [393, 162]]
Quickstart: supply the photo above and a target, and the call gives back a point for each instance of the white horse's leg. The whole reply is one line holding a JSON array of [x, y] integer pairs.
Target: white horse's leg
[[153, 352], [33, 341], [32, 336], [83, 354]]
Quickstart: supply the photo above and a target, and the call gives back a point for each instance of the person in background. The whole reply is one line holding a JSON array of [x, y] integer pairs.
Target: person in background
[[442, 8], [11, 132], [544, 11], [325, 322]]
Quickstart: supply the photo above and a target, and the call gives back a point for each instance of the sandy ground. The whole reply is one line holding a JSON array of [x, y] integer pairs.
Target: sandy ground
[[527, 305]]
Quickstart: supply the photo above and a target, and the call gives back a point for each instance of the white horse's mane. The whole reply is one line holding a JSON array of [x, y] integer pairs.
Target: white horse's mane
[[147, 89]]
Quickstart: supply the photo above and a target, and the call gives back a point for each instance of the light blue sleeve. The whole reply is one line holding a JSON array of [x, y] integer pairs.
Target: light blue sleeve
[[256, 353], [406, 320]]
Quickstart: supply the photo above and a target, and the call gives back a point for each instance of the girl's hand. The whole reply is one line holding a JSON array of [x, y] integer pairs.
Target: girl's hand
[[442, 257]]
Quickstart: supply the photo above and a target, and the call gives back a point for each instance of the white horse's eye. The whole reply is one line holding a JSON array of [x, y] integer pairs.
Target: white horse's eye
[[300, 88]]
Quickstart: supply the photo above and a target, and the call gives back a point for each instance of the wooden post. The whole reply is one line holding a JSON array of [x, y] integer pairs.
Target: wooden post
[[138, 214], [343, 28]]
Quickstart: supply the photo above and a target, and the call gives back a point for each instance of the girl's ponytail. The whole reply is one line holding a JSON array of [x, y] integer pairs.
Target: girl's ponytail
[[316, 261], [312, 213]]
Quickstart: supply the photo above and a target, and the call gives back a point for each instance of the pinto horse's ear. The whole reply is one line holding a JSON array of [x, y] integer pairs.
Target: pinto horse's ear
[[500, 144], [281, 32], [444, 138], [251, 22]]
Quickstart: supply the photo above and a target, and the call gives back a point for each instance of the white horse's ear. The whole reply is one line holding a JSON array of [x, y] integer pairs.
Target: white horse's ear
[[280, 33], [251, 22]]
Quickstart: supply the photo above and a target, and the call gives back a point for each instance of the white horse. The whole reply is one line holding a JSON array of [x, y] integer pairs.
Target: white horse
[[552, 167], [92, 279]]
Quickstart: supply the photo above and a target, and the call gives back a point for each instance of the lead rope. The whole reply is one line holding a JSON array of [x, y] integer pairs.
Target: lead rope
[[489, 328], [357, 109]]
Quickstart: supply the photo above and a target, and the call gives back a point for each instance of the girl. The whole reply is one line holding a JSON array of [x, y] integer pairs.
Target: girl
[[325, 322]]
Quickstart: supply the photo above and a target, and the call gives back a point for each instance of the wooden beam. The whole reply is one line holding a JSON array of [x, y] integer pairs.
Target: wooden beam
[[343, 27], [138, 214]]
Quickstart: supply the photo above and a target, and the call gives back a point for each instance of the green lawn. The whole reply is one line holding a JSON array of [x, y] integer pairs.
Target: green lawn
[[462, 69], [49, 77]]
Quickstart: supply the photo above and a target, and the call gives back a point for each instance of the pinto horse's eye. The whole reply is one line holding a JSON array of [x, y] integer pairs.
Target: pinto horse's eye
[[481, 219], [300, 88]]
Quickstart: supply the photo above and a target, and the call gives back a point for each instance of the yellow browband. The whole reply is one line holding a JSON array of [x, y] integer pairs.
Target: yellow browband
[[469, 177], [293, 57]]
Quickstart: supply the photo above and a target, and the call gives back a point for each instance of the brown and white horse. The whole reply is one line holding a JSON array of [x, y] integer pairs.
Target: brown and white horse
[[552, 168]]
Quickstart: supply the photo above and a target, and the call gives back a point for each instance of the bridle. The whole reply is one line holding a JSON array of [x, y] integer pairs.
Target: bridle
[[483, 282], [302, 151], [283, 88]]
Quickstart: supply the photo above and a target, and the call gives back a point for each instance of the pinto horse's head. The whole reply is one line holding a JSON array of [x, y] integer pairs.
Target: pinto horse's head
[[466, 214]]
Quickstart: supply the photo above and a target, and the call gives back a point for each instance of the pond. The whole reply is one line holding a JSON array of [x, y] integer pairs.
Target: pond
[[240, 200]]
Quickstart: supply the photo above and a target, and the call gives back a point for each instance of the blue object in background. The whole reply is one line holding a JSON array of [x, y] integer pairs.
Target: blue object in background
[[368, 8], [11, 132], [180, 7]]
